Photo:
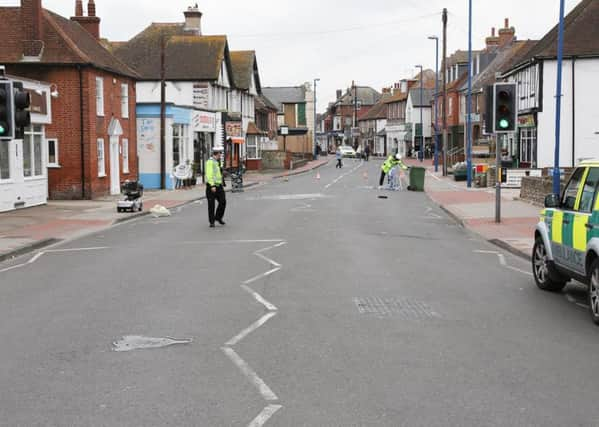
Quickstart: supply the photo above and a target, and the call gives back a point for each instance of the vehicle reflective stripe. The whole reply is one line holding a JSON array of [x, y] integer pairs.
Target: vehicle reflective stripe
[[568, 229], [581, 189], [580, 232], [556, 227]]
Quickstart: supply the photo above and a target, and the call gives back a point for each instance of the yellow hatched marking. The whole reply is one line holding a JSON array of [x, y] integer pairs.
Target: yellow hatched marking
[[581, 189], [580, 232], [556, 227]]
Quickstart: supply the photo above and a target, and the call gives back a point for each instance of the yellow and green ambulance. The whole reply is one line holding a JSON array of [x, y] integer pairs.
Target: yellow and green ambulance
[[567, 236]]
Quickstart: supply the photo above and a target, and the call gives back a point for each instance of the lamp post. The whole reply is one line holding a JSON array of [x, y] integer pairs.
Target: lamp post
[[436, 39], [558, 100], [421, 149], [315, 118], [469, 99]]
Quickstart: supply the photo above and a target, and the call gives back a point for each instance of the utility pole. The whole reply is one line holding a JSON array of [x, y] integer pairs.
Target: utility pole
[[444, 92], [421, 149], [558, 101], [315, 119], [436, 39], [469, 100], [355, 109], [162, 113]]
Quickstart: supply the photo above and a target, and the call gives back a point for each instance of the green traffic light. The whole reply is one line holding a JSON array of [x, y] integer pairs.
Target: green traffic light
[[2, 129], [504, 124]]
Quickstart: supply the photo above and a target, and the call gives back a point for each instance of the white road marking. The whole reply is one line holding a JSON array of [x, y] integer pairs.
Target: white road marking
[[38, 255], [339, 178], [261, 276], [264, 416], [252, 376], [582, 305], [259, 298], [240, 336], [503, 262], [570, 298]]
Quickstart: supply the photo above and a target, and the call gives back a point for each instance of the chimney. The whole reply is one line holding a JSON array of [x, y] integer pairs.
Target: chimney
[[193, 20], [91, 22], [493, 40], [506, 34], [79, 8], [31, 12], [339, 94]]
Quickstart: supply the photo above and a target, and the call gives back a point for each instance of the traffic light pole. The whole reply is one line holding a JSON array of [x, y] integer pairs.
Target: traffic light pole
[[498, 147]]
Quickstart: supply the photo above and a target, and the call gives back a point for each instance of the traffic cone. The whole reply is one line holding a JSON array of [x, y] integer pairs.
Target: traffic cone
[[318, 176]]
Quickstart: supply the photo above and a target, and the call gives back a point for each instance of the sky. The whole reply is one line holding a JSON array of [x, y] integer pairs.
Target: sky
[[374, 42]]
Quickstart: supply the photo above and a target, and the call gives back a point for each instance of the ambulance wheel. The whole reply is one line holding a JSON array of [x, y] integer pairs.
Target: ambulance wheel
[[594, 292], [545, 278]]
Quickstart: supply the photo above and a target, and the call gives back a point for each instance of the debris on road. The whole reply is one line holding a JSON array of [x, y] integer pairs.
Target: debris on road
[[159, 211], [135, 342]]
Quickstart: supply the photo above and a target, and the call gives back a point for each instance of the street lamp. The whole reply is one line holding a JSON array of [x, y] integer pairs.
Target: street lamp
[[315, 118], [421, 149], [558, 101], [469, 99], [436, 39]]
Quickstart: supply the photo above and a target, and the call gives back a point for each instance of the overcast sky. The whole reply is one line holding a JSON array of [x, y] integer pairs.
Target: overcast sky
[[374, 42]]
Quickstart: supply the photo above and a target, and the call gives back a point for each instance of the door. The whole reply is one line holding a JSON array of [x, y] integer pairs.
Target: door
[[562, 220], [115, 170], [577, 233]]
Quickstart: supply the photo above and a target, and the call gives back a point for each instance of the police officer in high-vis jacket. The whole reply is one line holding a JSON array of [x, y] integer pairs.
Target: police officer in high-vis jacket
[[390, 163], [215, 190]]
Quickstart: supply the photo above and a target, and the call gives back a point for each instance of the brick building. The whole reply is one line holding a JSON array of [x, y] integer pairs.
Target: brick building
[[93, 128]]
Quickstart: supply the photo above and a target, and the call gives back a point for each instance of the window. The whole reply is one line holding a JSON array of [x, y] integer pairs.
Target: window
[[301, 114], [450, 112], [101, 165], [32, 151], [589, 191], [53, 152], [571, 192], [125, 148], [125, 101], [177, 140], [253, 148], [528, 146], [4, 161], [100, 96]]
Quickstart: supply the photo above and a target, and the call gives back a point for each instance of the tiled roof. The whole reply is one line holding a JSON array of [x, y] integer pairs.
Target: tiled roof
[[285, 95], [187, 57], [378, 110], [263, 103], [64, 42], [425, 101], [366, 95], [242, 65], [397, 97]]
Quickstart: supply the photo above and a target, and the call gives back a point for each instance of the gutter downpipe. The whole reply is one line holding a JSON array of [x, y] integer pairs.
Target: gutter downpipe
[[82, 142]]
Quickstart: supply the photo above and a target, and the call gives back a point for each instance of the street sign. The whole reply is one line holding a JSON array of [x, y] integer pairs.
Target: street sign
[[355, 132]]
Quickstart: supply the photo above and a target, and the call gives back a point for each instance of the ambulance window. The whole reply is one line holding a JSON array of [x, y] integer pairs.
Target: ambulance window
[[589, 191], [571, 192]]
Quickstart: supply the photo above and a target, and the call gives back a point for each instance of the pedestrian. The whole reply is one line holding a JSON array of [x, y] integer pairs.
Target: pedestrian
[[367, 152], [391, 162], [215, 190], [339, 158], [318, 151]]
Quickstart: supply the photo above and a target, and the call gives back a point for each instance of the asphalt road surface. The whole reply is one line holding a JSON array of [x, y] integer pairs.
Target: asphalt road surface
[[318, 304]]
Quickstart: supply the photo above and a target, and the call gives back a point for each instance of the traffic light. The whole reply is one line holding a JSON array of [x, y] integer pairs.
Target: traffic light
[[505, 107], [22, 101], [6, 110]]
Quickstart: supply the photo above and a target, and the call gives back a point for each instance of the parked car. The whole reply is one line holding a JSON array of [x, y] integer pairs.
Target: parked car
[[567, 237], [347, 151]]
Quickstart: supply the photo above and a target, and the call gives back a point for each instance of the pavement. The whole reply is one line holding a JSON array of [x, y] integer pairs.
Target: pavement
[[318, 304], [474, 208], [26, 230]]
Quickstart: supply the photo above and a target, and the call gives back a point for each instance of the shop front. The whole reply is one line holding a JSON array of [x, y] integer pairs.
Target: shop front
[[527, 141], [204, 129], [24, 162]]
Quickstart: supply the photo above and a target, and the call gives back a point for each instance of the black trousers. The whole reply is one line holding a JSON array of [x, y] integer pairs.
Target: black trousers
[[339, 163], [382, 180], [212, 199]]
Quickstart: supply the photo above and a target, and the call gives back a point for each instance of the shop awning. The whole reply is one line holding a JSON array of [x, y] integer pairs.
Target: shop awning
[[237, 140]]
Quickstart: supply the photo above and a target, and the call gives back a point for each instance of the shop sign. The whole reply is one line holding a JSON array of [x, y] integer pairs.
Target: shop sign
[[233, 129], [527, 121], [200, 95], [204, 122]]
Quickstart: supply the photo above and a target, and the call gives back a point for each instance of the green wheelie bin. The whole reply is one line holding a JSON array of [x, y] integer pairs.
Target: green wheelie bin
[[417, 178]]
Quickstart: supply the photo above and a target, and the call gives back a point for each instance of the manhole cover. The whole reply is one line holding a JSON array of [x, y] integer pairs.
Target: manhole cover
[[404, 308]]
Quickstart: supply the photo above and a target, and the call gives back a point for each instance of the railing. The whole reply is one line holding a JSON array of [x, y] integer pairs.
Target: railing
[[454, 156]]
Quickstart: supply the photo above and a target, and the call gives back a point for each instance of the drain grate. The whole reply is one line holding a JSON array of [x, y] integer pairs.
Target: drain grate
[[404, 308]]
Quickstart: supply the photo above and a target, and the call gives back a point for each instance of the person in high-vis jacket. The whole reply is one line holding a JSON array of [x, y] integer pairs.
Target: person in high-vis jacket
[[215, 190], [390, 163]]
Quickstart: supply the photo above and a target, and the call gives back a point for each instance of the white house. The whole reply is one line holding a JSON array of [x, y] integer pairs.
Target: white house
[[199, 91], [535, 73], [419, 117], [24, 162]]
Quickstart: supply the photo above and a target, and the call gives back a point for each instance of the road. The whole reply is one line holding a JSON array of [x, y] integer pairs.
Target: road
[[318, 304]]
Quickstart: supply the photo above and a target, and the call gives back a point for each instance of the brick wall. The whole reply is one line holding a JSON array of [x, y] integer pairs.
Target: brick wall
[[535, 189], [66, 182]]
